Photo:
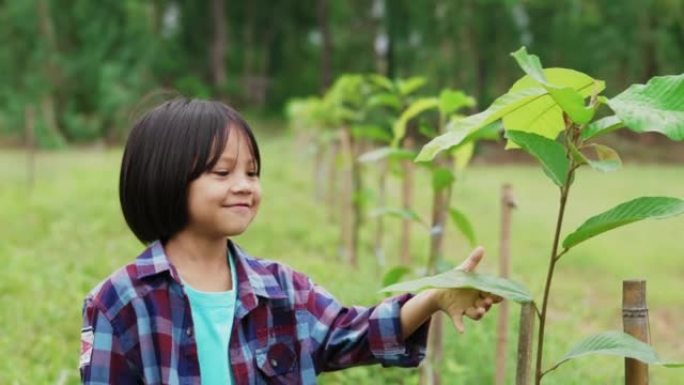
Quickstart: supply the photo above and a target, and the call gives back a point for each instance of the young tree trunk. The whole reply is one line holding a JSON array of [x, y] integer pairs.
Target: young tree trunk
[[318, 170], [348, 212], [407, 204], [357, 200], [326, 74], [507, 205], [440, 208], [218, 46], [331, 194], [380, 222]]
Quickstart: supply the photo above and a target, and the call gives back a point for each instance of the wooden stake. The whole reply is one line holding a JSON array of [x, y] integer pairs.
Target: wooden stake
[[524, 374], [507, 205], [635, 323], [30, 146]]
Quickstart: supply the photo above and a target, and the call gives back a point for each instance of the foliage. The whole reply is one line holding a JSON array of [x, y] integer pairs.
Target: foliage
[[545, 113]]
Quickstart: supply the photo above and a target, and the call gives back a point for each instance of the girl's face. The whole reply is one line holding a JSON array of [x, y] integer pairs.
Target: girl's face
[[223, 201]]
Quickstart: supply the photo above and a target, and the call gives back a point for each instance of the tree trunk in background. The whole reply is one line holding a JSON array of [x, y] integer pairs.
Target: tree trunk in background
[[326, 45], [48, 108], [407, 204], [218, 46]]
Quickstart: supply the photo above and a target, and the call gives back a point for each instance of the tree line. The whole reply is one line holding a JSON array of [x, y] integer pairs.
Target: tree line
[[85, 66]]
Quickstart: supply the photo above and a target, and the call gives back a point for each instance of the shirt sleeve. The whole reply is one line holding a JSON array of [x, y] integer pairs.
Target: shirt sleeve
[[351, 336], [102, 359]]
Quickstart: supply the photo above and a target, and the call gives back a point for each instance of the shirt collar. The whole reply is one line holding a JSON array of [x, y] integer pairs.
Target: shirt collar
[[253, 278]]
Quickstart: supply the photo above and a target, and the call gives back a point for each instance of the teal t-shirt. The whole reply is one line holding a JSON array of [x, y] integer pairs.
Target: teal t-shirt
[[212, 316]]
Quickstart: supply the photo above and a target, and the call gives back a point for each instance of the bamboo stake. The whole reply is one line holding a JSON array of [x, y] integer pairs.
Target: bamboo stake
[[525, 342], [635, 323], [507, 205]]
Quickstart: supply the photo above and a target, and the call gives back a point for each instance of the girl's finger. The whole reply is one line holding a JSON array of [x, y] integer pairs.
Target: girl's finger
[[473, 259], [475, 312]]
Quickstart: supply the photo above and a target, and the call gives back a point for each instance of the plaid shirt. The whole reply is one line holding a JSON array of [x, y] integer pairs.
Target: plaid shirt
[[137, 327]]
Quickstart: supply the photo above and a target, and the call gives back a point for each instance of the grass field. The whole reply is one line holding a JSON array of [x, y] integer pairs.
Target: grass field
[[66, 234]]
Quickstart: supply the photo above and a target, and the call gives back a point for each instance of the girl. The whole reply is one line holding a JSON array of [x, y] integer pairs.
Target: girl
[[195, 306]]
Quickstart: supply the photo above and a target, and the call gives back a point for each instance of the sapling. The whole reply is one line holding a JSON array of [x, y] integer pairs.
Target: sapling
[[550, 113]]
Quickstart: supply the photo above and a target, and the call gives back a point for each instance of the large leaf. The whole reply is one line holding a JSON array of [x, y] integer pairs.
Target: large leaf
[[371, 131], [460, 129], [543, 116], [616, 343], [601, 127], [549, 153], [460, 279], [463, 154], [623, 214], [569, 99], [411, 112], [463, 224], [387, 152], [657, 106]]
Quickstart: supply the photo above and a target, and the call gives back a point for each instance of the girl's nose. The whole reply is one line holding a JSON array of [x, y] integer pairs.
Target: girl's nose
[[241, 184]]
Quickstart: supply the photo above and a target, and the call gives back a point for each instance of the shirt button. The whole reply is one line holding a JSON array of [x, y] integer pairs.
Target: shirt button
[[274, 363], [188, 332]]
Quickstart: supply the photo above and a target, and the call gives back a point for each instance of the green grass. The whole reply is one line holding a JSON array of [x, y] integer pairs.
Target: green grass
[[66, 234]]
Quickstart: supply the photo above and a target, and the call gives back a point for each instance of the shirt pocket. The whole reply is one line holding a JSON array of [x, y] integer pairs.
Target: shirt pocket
[[278, 363]]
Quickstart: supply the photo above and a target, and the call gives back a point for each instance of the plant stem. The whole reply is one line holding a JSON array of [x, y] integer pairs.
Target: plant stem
[[549, 278]]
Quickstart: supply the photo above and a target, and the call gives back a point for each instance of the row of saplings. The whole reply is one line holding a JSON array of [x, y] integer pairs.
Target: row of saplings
[[549, 113]]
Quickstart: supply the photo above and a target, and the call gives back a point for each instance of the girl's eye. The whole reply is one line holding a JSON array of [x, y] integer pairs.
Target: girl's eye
[[252, 174], [220, 173]]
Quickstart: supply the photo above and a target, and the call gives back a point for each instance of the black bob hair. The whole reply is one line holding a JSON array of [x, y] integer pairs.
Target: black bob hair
[[169, 147]]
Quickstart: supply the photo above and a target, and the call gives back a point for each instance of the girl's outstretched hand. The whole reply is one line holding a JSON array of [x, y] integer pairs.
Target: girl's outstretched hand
[[469, 302], [455, 302]]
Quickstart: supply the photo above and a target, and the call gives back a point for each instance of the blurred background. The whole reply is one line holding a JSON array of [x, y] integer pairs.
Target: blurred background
[[74, 75], [86, 65]]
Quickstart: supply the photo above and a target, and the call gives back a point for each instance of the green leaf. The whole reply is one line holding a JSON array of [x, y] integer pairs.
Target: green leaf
[[608, 159], [371, 131], [463, 224], [549, 153], [397, 213], [460, 129], [657, 106], [623, 214], [385, 99], [427, 130], [387, 152], [411, 112], [442, 178], [394, 275], [543, 116], [381, 81], [602, 127], [408, 86], [616, 343], [453, 100], [460, 279], [569, 100]]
